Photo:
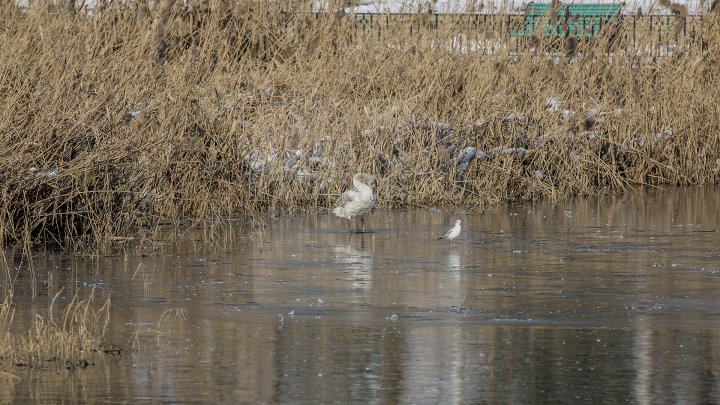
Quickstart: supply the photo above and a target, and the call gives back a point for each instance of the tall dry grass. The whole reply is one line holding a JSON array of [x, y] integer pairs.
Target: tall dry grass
[[116, 120], [70, 337]]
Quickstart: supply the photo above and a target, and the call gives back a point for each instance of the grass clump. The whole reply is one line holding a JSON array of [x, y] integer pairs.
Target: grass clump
[[72, 338], [131, 115]]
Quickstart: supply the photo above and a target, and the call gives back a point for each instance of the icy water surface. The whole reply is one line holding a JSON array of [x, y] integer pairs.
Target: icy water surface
[[603, 300]]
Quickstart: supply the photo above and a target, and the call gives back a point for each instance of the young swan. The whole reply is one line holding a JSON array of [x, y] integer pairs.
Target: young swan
[[357, 201], [452, 233]]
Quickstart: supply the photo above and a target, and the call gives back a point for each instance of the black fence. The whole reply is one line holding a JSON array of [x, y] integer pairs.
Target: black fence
[[655, 34]]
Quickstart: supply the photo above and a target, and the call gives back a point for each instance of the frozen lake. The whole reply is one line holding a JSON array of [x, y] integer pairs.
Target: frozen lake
[[596, 300]]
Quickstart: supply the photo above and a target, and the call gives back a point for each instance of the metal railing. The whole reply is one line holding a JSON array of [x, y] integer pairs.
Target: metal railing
[[651, 33]]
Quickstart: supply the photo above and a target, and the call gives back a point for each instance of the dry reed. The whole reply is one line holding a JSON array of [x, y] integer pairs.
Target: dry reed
[[71, 338], [121, 118]]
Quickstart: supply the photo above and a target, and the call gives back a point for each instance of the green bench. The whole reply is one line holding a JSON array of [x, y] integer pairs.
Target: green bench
[[580, 20]]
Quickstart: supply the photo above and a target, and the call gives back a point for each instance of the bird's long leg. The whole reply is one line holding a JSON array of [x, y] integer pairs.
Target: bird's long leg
[[362, 222]]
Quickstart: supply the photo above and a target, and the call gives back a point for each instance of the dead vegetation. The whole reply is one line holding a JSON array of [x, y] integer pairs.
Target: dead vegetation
[[115, 120], [71, 337]]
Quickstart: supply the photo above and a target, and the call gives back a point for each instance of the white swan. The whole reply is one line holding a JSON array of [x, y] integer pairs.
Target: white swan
[[357, 201], [452, 233]]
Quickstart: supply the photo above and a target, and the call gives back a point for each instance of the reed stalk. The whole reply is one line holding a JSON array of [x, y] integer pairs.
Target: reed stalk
[[117, 120], [72, 337]]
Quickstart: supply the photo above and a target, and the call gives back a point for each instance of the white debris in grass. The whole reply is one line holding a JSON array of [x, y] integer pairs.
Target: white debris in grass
[[292, 157], [257, 160], [480, 122], [662, 135], [466, 157], [591, 116], [652, 139], [554, 105], [444, 129], [38, 174], [518, 117]]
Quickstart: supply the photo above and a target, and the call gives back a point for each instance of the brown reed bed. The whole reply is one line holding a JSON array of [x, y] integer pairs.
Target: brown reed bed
[[69, 336], [116, 120]]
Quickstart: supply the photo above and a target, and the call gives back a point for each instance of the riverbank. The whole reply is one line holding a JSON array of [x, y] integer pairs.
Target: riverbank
[[115, 122]]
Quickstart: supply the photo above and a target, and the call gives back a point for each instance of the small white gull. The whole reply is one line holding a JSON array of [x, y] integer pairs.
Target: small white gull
[[359, 200], [452, 233]]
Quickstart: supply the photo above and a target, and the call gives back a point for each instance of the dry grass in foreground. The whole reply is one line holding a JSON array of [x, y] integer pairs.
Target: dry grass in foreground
[[115, 121], [71, 338]]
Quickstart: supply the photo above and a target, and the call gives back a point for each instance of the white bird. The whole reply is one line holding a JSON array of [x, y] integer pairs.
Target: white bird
[[452, 233], [357, 201]]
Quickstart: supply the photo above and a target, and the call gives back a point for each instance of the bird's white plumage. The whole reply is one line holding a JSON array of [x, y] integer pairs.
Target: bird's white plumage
[[359, 200], [453, 232]]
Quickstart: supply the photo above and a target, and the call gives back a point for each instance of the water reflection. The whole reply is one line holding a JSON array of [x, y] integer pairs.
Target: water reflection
[[610, 299], [358, 260]]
